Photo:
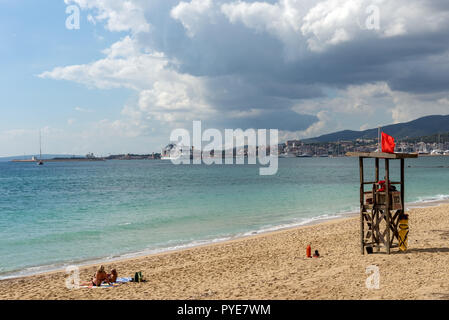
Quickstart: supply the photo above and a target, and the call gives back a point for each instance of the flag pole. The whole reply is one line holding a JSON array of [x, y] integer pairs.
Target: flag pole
[[378, 140]]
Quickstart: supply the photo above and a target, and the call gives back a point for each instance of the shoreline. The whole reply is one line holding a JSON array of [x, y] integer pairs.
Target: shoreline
[[319, 220], [273, 266], [166, 251]]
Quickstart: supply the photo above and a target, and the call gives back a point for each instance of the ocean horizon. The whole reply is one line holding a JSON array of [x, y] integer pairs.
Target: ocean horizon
[[79, 213]]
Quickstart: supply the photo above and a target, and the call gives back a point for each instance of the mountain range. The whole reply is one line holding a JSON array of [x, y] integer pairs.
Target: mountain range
[[424, 126]]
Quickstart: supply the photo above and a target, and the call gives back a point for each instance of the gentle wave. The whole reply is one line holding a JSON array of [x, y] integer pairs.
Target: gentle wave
[[439, 197], [29, 271], [424, 201], [429, 201]]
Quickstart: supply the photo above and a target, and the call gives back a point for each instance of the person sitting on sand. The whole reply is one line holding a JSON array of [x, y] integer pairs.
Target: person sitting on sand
[[316, 254], [112, 277], [100, 276]]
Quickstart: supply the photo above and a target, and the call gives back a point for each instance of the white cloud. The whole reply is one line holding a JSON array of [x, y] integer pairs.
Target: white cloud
[[175, 101], [191, 14], [369, 104], [356, 99], [279, 18], [411, 106], [322, 125], [365, 126], [332, 22], [164, 94], [124, 66], [323, 24], [282, 19]]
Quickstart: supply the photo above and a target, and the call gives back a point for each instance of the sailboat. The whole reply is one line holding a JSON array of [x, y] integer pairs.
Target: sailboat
[[40, 162]]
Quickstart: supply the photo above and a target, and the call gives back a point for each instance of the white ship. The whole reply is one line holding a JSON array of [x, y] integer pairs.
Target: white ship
[[304, 155], [289, 154], [175, 152], [437, 152]]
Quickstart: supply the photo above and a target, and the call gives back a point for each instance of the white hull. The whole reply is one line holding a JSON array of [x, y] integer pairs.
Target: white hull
[[175, 158], [283, 155]]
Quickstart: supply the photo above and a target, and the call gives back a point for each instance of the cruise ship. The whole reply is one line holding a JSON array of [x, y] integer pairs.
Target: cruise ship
[[175, 152]]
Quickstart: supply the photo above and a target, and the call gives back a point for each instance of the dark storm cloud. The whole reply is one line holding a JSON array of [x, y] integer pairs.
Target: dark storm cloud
[[223, 48], [249, 69], [269, 119]]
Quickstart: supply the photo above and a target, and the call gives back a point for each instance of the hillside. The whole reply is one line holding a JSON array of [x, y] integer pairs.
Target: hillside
[[425, 126]]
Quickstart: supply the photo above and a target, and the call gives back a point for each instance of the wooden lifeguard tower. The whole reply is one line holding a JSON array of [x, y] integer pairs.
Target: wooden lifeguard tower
[[380, 210]]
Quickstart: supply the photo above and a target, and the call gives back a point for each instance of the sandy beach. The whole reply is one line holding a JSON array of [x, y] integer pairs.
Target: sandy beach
[[274, 266]]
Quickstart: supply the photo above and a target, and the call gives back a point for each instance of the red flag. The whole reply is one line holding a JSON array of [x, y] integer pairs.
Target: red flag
[[387, 143]]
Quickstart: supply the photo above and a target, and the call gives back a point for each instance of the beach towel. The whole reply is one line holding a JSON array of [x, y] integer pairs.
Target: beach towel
[[119, 282]]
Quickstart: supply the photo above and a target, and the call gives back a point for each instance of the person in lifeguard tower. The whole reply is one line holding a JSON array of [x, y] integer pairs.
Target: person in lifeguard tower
[[382, 186]]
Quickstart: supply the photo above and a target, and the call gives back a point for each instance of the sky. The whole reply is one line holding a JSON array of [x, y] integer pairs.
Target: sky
[[135, 70]]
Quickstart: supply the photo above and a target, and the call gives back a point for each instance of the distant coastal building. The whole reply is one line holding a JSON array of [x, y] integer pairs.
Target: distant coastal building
[[129, 156]]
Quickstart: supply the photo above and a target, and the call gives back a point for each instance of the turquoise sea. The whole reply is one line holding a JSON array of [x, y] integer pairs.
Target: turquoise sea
[[73, 213]]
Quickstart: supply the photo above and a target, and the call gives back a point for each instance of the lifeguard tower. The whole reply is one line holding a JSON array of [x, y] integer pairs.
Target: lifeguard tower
[[382, 207]]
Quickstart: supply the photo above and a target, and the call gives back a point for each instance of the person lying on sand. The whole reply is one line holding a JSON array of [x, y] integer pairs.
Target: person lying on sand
[[100, 276], [112, 277]]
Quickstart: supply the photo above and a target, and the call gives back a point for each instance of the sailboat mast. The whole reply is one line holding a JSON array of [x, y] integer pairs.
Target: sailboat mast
[[379, 144], [40, 145]]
